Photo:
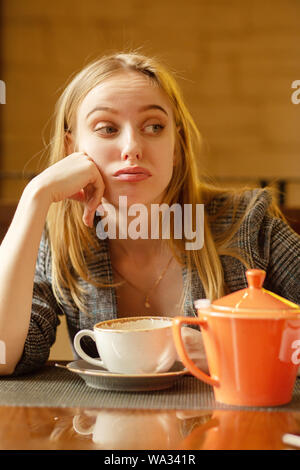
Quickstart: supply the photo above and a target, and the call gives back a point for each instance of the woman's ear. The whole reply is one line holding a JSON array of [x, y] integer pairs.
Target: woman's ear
[[69, 143]]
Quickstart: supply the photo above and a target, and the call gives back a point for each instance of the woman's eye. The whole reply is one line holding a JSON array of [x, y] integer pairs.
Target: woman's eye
[[153, 128], [106, 130]]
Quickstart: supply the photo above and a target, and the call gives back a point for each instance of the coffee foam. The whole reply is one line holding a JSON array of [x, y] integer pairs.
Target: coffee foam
[[143, 324]]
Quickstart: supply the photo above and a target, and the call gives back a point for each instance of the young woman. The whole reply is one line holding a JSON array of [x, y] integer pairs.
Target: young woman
[[122, 129]]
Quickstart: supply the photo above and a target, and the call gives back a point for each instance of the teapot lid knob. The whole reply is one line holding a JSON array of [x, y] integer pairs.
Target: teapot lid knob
[[255, 278]]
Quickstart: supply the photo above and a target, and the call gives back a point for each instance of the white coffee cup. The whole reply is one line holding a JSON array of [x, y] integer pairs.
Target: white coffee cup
[[134, 345]]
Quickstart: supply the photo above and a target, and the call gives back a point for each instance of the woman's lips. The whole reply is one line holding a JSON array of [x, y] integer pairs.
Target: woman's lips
[[132, 174]]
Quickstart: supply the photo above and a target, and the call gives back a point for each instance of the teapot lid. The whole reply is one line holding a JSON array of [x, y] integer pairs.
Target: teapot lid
[[255, 296]]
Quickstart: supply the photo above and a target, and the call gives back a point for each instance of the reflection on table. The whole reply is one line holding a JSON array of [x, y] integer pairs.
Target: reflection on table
[[83, 428]]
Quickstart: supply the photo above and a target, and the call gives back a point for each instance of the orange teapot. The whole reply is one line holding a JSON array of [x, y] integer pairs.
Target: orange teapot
[[252, 343]]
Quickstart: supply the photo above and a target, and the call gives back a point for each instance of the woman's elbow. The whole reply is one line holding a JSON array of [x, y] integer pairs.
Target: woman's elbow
[[7, 369]]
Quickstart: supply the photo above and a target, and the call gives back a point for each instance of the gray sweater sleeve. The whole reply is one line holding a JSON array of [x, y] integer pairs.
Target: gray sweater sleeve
[[283, 271], [265, 241], [44, 318], [274, 247]]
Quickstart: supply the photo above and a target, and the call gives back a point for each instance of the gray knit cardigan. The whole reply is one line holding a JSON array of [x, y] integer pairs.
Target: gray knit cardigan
[[269, 243]]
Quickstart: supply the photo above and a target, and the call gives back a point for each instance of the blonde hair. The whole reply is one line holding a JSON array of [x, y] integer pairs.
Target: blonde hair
[[73, 244]]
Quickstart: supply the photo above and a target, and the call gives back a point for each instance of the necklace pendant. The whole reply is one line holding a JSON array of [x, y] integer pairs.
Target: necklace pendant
[[147, 305]]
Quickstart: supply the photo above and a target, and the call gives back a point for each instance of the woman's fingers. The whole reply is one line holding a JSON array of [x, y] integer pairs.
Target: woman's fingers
[[81, 167], [94, 194], [75, 177]]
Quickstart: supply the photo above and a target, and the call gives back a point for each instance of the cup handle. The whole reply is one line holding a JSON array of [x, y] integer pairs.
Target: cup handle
[[177, 323], [80, 429], [79, 350]]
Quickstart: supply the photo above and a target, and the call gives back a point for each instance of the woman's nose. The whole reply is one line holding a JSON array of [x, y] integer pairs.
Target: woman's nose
[[131, 149]]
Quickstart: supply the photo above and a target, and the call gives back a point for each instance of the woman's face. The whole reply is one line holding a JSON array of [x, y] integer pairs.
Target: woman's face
[[127, 121]]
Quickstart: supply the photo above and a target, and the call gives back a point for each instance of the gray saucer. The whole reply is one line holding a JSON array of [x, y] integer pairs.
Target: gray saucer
[[101, 378]]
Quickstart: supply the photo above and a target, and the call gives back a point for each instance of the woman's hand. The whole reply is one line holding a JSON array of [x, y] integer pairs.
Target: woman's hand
[[74, 177], [193, 343]]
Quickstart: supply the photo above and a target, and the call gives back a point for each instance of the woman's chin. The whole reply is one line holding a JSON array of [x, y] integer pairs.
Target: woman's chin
[[128, 200]]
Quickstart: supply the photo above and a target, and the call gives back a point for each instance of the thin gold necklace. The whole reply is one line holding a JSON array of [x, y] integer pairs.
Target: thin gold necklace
[[147, 294]]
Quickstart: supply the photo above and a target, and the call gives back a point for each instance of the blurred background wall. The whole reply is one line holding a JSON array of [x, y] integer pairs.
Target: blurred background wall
[[235, 60]]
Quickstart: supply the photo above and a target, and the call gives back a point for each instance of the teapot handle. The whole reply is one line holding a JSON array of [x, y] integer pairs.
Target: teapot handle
[[177, 323]]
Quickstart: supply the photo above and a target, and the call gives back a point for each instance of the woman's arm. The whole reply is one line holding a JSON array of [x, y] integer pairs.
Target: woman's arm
[[44, 317], [18, 254], [69, 178]]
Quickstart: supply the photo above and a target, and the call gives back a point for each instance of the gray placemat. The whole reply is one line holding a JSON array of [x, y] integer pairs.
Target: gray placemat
[[56, 387]]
